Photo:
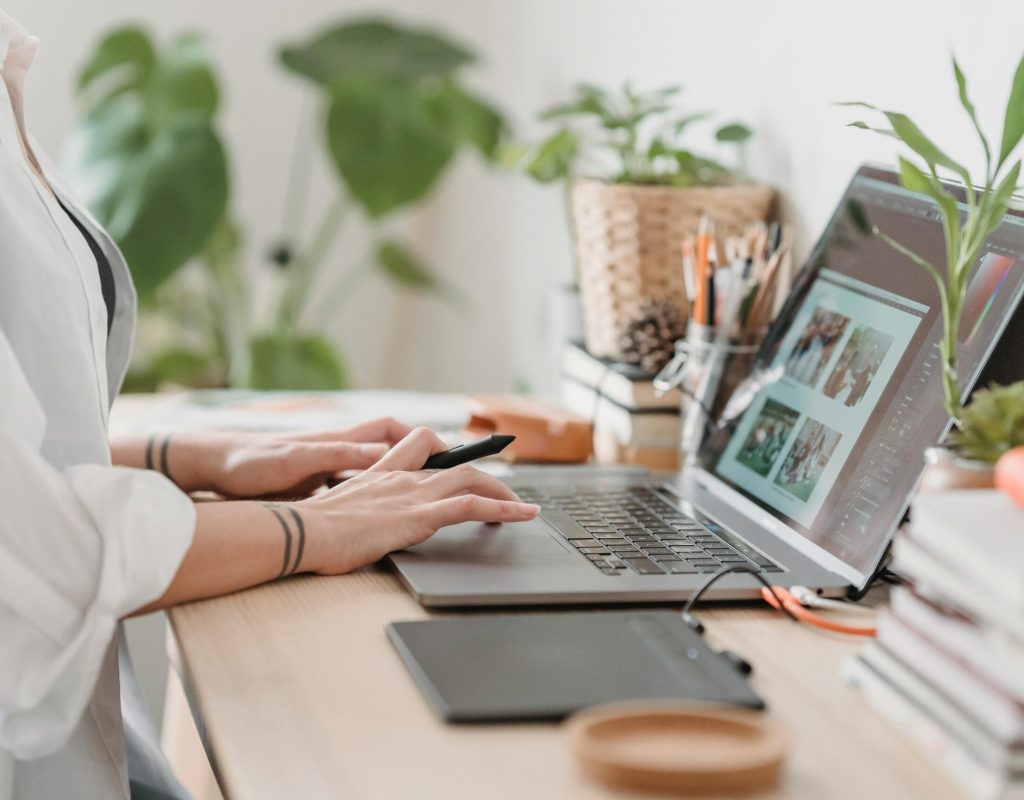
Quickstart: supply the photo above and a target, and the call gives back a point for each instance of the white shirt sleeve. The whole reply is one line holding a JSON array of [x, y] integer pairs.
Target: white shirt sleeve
[[79, 549]]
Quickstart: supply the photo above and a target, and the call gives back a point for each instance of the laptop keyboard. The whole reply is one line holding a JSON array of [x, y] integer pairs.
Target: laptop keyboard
[[636, 531]]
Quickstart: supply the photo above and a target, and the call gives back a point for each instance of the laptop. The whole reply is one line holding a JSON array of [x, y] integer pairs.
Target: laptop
[[813, 471]]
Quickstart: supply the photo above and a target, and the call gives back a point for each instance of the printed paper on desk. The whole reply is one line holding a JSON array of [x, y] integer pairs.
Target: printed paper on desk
[[229, 409]]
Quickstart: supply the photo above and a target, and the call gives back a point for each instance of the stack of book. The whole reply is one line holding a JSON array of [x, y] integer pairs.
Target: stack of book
[[948, 664], [632, 425]]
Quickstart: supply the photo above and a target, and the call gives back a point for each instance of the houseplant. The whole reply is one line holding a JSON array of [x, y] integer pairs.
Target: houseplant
[[966, 228], [395, 113], [635, 191]]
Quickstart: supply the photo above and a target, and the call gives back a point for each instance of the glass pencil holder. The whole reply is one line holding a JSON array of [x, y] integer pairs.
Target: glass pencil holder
[[707, 367]]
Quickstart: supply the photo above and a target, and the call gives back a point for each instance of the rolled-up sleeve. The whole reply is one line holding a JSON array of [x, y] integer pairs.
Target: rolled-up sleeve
[[79, 549]]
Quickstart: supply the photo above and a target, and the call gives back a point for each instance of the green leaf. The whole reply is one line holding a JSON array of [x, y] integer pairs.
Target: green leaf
[[295, 361], [657, 148], [857, 104], [375, 48], [184, 83], [385, 143], [554, 158], [402, 266], [914, 138], [511, 155], [127, 50], [468, 119], [703, 170], [170, 202], [914, 179], [733, 132], [148, 162], [865, 127], [995, 205], [858, 216], [1013, 124], [679, 125], [965, 101]]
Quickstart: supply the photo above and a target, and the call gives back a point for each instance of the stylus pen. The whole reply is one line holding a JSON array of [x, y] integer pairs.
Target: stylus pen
[[470, 451]]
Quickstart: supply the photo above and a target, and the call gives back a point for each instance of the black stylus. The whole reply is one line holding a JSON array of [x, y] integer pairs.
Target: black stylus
[[470, 451]]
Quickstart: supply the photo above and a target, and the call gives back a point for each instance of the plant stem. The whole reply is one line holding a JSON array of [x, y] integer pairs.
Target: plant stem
[[336, 297], [948, 350], [304, 270], [230, 302], [297, 188]]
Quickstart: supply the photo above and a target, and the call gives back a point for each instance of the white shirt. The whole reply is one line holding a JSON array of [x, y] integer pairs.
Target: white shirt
[[82, 543]]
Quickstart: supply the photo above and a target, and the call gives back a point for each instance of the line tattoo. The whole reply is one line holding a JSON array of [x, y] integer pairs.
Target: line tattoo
[[288, 567], [151, 461], [301, 536], [163, 458], [150, 444]]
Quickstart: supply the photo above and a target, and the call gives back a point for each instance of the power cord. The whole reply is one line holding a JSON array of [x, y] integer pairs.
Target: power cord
[[777, 597], [712, 579]]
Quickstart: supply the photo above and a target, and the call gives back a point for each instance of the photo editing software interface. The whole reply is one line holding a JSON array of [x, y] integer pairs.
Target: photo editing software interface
[[832, 443]]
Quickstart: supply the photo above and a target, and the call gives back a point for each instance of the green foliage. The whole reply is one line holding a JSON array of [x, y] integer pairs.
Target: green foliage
[[402, 266], [146, 155], [286, 360], [175, 365], [396, 111], [633, 137], [992, 424], [967, 225], [147, 159]]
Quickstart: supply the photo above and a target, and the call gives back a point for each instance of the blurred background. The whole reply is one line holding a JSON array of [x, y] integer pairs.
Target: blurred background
[[460, 301]]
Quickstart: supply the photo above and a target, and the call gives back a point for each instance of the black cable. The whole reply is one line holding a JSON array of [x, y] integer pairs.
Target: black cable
[[725, 571]]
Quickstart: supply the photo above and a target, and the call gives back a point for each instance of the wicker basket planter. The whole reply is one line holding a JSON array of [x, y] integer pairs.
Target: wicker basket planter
[[629, 240]]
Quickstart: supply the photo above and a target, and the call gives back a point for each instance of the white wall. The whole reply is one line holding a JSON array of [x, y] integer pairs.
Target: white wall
[[778, 66]]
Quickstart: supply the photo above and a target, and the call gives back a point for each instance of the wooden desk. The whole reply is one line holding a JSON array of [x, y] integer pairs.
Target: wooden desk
[[303, 697]]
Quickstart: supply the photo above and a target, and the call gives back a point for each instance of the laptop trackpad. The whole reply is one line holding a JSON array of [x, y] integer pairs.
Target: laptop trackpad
[[478, 543]]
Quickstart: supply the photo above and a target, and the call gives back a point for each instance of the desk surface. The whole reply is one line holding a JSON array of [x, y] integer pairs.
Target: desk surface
[[303, 696]]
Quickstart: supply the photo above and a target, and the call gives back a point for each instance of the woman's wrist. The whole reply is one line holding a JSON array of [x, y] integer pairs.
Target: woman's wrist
[[239, 544], [187, 459]]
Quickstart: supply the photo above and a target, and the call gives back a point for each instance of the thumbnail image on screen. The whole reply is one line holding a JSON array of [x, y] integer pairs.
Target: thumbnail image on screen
[[814, 347], [767, 437], [807, 459], [858, 365]]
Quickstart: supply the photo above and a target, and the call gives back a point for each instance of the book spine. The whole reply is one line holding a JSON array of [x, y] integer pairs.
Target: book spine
[[974, 778]]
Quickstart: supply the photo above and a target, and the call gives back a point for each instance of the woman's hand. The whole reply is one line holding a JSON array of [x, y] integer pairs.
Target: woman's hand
[[241, 465], [392, 505], [395, 504]]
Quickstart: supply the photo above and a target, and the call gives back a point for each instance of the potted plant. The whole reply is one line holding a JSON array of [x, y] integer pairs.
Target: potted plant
[[977, 437], [392, 112], [635, 192]]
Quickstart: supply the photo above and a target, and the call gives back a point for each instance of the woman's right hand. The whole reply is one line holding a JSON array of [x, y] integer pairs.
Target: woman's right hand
[[395, 504]]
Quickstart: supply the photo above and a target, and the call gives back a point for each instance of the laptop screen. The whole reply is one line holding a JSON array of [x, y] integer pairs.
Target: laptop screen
[[847, 395]]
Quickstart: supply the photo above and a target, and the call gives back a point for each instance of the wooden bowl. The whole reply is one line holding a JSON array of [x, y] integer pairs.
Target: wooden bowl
[[677, 747]]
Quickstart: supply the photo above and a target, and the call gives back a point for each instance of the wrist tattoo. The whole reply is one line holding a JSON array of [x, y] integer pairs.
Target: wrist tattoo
[[151, 461], [290, 564]]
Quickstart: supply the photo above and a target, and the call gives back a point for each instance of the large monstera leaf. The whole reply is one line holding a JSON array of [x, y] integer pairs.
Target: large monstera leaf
[[396, 112], [145, 156]]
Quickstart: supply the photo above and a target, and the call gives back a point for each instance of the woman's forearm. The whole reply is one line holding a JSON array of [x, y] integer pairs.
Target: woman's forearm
[[237, 545]]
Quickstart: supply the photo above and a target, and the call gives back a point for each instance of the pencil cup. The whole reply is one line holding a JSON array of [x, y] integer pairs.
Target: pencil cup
[[707, 367]]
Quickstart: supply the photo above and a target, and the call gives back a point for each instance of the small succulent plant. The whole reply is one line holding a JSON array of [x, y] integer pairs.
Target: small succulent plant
[[991, 424]]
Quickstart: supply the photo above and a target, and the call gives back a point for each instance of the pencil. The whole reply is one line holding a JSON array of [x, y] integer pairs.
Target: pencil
[[703, 246]]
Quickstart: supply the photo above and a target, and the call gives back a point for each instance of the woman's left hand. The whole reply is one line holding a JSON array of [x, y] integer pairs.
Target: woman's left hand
[[261, 464]]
